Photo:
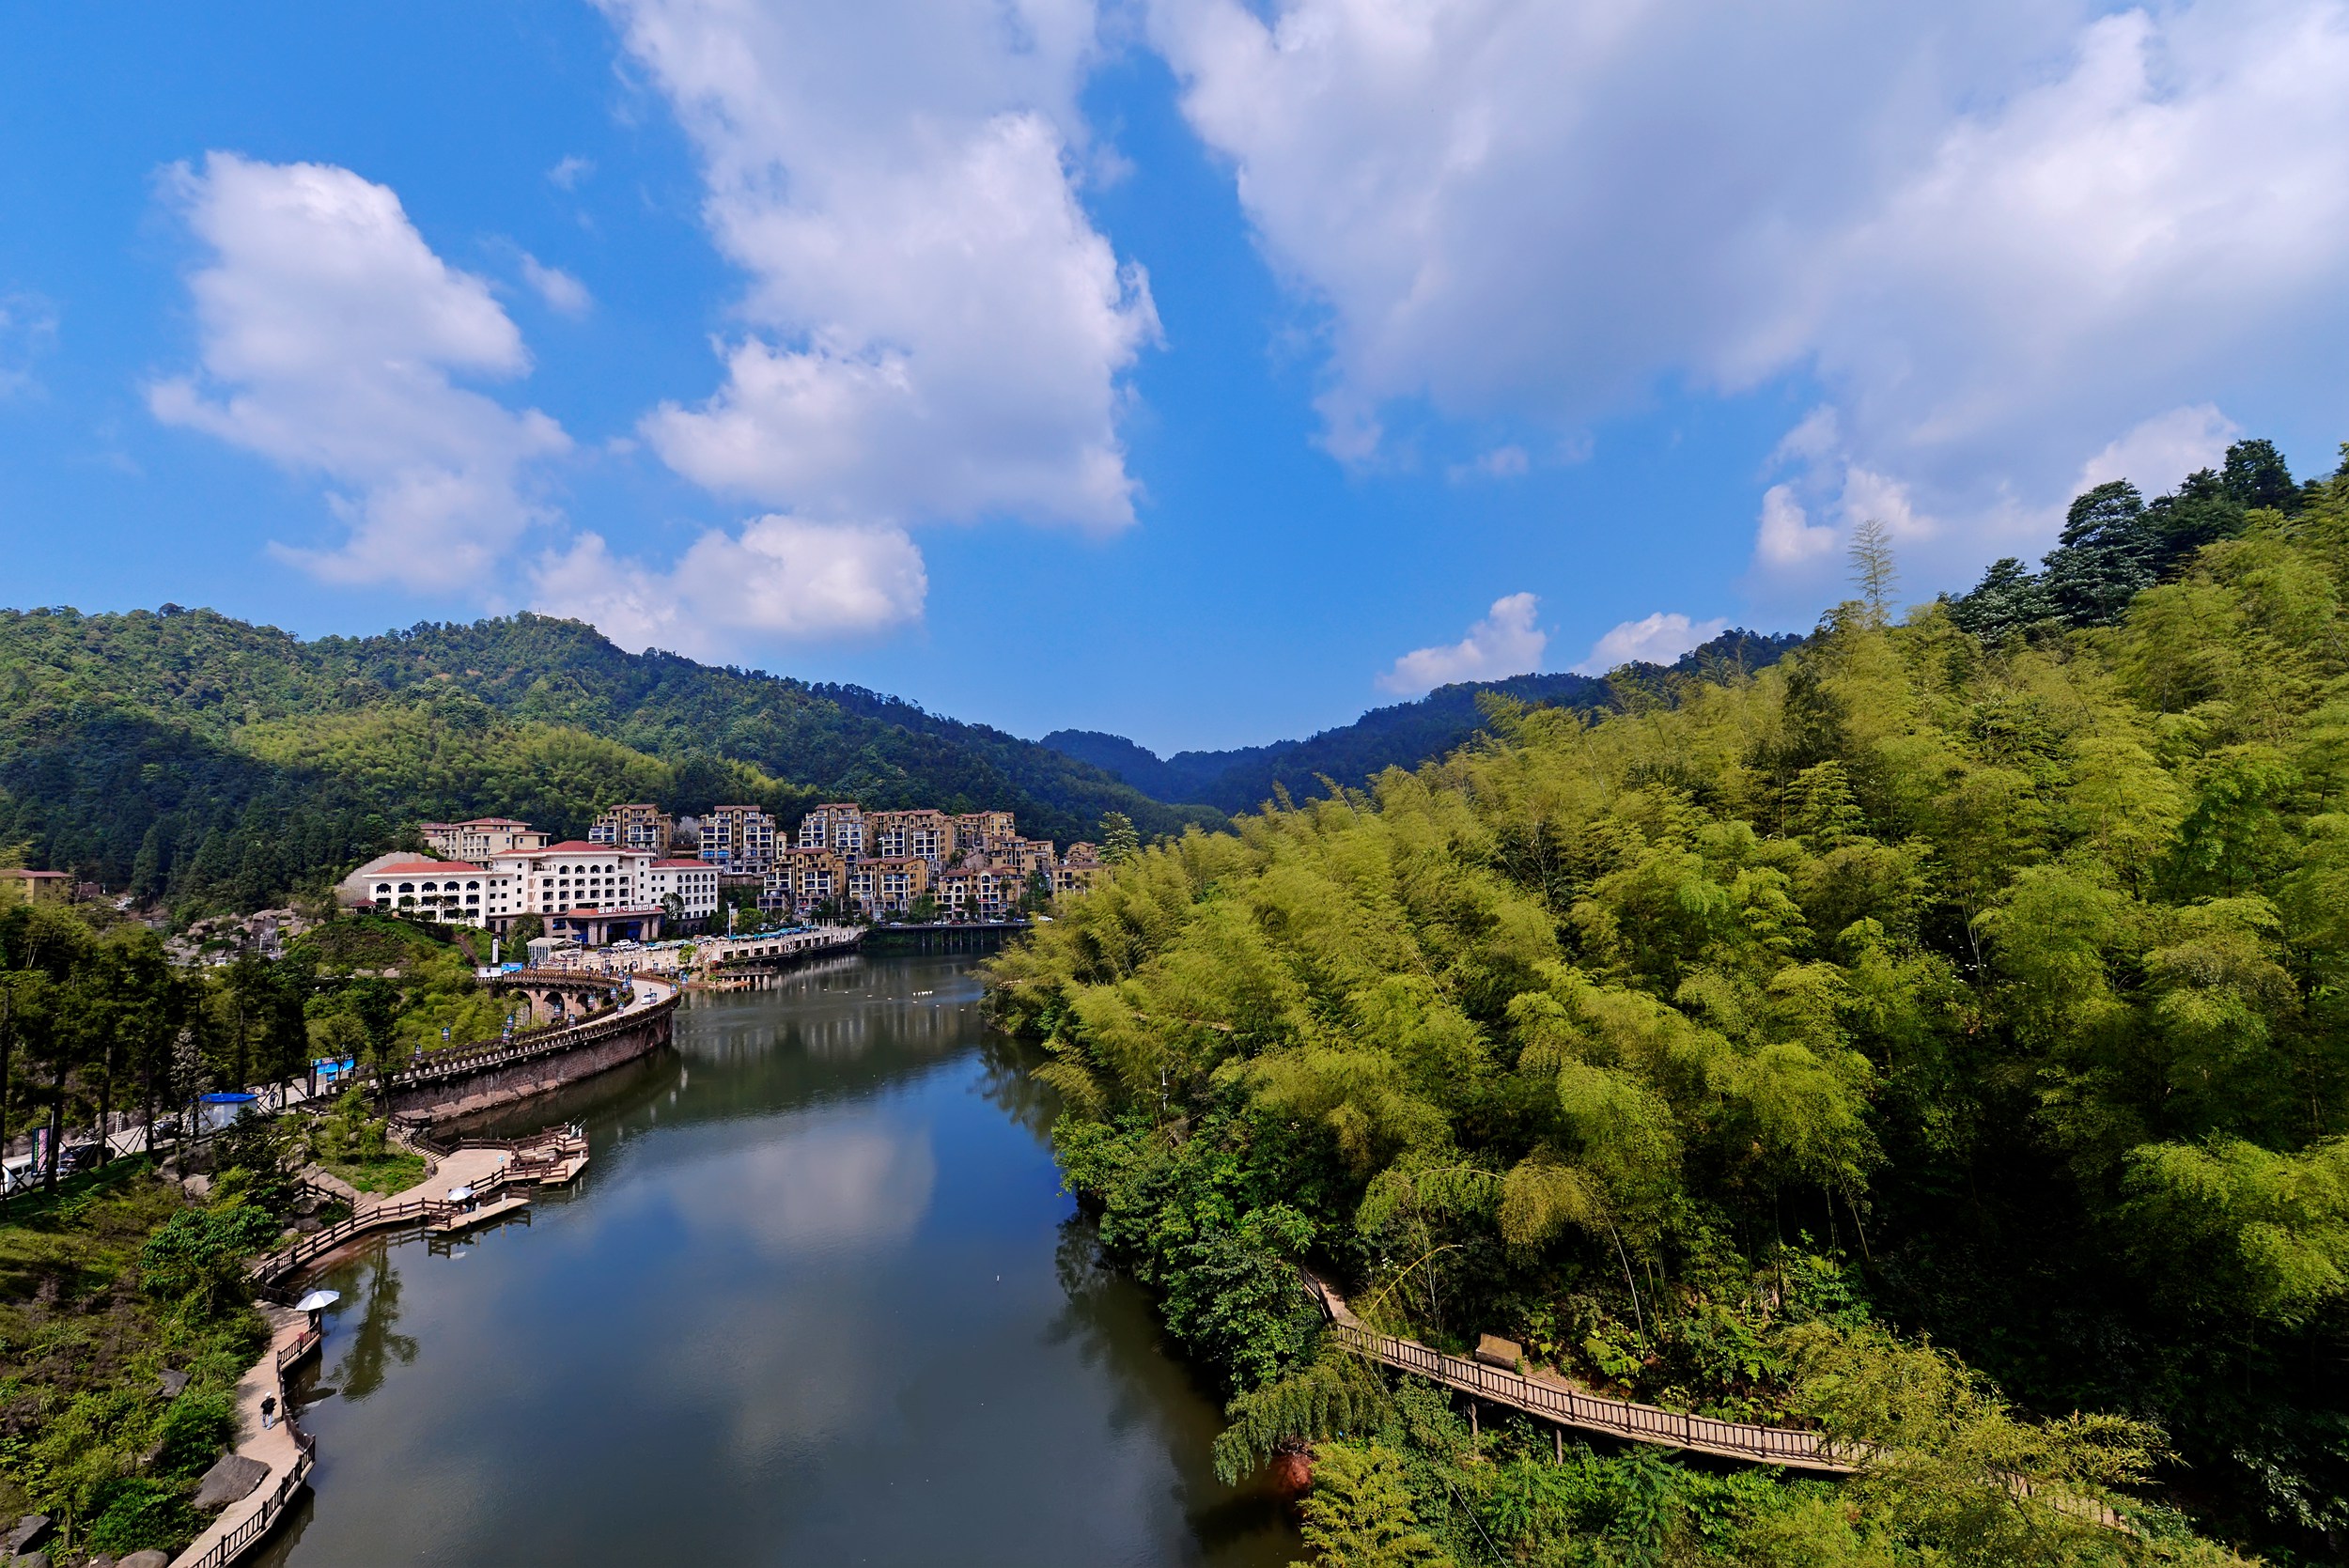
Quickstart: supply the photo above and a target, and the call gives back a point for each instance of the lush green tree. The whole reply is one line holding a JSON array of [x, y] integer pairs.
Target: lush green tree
[[2004, 972]]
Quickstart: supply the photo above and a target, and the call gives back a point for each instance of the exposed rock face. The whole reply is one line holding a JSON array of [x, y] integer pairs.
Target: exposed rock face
[[232, 1476], [28, 1531]]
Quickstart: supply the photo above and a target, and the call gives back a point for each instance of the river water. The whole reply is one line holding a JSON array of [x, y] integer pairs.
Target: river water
[[817, 1300]]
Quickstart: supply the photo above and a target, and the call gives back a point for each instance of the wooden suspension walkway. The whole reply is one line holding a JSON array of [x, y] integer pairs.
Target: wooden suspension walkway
[[1786, 1446], [1790, 1448]]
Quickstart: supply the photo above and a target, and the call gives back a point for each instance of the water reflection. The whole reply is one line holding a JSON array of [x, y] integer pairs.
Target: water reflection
[[818, 1299], [371, 1346]]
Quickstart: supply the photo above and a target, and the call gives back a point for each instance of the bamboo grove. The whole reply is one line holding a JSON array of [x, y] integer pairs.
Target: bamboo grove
[[1940, 1036]]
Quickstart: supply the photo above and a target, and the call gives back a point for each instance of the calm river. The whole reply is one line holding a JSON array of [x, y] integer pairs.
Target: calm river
[[817, 1300]]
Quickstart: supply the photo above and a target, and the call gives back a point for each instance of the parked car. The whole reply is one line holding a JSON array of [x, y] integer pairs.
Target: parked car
[[76, 1157]]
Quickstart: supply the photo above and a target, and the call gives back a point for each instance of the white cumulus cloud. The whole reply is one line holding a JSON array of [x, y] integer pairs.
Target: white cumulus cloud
[[1505, 643], [1998, 234], [1657, 639], [779, 578], [937, 331], [330, 338]]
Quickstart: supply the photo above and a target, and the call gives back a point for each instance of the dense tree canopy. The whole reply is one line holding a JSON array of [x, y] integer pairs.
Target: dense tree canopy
[[1979, 988], [188, 756]]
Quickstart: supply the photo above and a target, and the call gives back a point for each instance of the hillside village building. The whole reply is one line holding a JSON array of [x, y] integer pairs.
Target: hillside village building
[[738, 839], [838, 827], [638, 826], [619, 884]]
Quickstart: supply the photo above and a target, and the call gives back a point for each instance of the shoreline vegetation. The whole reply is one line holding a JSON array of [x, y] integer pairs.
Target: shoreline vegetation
[[1937, 1038], [117, 1283]]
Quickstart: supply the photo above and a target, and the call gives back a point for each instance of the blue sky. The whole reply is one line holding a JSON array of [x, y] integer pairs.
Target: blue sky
[[1201, 371]]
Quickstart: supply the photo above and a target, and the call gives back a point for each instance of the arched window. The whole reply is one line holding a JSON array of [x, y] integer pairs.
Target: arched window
[[408, 887]]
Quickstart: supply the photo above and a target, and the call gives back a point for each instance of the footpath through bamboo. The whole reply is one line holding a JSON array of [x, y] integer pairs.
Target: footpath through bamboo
[[1792, 1447]]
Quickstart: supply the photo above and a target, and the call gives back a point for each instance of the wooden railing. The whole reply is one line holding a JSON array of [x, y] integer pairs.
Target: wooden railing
[[229, 1547], [1789, 1447], [275, 1267]]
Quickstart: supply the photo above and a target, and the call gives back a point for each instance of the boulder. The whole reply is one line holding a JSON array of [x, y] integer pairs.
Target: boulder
[[30, 1560], [29, 1531], [232, 1476], [1494, 1351], [173, 1384], [148, 1559], [100, 1561]]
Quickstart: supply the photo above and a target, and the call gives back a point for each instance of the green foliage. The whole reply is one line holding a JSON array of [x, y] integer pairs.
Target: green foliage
[[1360, 1513], [1191, 1225], [84, 1430], [1923, 987], [215, 764], [199, 1254]]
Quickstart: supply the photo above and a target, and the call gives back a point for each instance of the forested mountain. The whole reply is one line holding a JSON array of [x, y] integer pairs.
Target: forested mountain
[[1940, 1037], [192, 757], [1402, 736]]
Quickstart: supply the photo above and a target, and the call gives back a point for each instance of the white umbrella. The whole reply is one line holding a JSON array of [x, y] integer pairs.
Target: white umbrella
[[461, 1194], [317, 1300]]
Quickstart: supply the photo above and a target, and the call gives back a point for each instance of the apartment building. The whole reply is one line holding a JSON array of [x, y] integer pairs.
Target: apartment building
[[739, 839], [1029, 854], [837, 826], [983, 830], [1078, 870], [483, 836], [692, 883], [981, 891], [927, 835], [888, 886], [804, 878], [638, 826]]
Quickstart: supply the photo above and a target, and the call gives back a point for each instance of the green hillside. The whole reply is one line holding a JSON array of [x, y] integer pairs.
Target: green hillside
[[1940, 1037], [194, 758]]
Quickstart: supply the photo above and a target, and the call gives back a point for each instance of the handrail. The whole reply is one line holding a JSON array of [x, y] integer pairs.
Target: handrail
[[1792, 1447], [1795, 1448]]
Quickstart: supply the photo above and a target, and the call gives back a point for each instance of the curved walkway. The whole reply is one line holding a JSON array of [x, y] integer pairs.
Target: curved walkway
[[1791, 1448], [494, 1171]]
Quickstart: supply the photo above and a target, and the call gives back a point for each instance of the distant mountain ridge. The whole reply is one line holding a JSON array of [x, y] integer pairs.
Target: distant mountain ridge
[[192, 757], [1401, 735]]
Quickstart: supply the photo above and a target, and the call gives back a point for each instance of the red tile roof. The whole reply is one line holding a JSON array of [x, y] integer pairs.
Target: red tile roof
[[426, 868], [700, 865]]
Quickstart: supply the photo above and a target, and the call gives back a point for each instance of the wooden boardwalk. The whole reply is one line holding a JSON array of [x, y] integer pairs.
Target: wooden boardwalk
[[1790, 1448]]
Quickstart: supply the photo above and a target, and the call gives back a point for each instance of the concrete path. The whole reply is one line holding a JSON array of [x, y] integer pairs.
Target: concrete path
[[465, 1168], [273, 1446]]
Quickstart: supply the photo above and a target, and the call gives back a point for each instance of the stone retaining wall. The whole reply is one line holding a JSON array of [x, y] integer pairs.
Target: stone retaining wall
[[506, 1082]]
